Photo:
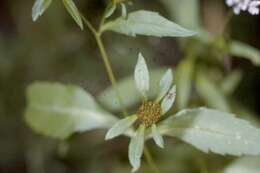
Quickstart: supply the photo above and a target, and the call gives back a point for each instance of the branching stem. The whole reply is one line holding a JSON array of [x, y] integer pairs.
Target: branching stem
[[97, 35], [107, 64]]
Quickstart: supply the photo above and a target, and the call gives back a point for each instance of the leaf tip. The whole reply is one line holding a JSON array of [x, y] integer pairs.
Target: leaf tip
[[108, 136]]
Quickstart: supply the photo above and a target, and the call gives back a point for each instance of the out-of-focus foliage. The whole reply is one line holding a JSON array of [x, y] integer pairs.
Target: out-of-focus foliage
[[58, 111], [54, 49]]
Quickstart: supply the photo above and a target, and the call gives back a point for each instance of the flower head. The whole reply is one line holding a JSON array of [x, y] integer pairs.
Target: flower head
[[252, 6], [148, 114]]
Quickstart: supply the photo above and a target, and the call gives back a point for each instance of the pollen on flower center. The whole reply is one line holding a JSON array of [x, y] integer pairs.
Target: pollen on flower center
[[149, 113]]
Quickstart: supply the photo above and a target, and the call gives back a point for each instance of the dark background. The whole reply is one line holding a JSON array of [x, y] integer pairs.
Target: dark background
[[54, 49]]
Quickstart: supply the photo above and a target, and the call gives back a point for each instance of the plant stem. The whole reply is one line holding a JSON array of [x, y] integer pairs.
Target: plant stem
[[107, 64], [97, 35], [150, 160], [110, 72]]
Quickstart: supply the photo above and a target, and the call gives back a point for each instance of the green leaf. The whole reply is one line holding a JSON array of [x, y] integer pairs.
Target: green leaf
[[146, 23], [158, 139], [74, 12], [58, 110], [165, 83], [185, 12], [183, 78], [168, 100], [244, 50], [244, 165], [39, 7], [230, 83], [211, 94], [124, 11], [141, 74], [121, 127], [110, 10], [128, 91], [136, 148], [212, 130]]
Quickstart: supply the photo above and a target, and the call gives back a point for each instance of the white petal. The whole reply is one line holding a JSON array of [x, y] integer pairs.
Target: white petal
[[141, 75], [120, 127], [168, 100], [165, 84], [136, 147], [158, 139]]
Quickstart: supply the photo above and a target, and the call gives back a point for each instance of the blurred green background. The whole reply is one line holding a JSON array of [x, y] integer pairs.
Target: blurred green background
[[55, 49]]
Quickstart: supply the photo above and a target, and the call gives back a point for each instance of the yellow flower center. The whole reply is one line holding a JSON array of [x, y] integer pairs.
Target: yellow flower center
[[149, 113]]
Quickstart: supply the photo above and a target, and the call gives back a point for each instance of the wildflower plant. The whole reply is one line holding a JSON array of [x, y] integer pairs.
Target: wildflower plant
[[148, 114], [57, 110]]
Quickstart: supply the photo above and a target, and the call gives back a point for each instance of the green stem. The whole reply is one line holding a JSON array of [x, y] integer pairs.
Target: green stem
[[107, 63], [110, 72], [150, 160], [113, 81]]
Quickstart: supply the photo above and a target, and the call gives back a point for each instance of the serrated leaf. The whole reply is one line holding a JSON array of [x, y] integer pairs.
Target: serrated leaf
[[58, 110], [168, 100], [141, 74], [215, 131], [39, 7], [136, 148], [74, 12], [146, 23], [183, 77], [244, 165], [158, 139], [128, 91], [244, 50], [165, 83], [211, 93], [121, 127]]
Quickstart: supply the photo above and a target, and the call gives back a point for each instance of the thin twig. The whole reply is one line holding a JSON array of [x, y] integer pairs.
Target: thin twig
[[150, 160]]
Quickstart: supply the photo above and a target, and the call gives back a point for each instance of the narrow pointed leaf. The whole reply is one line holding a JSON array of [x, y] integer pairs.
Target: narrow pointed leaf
[[124, 11], [244, 50], [165, 83], [121, 127], [58, 110], [146, 23], [141, 75], [39, 7], [183, 78], [158, 139], [136, 148], [230, 83], [74, 12], [168, 100], [211, 93], [215, 131], [110, 10]]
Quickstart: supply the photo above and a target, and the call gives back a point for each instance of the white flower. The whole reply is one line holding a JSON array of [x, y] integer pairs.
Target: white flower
[[148, 114], [252, 6]]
